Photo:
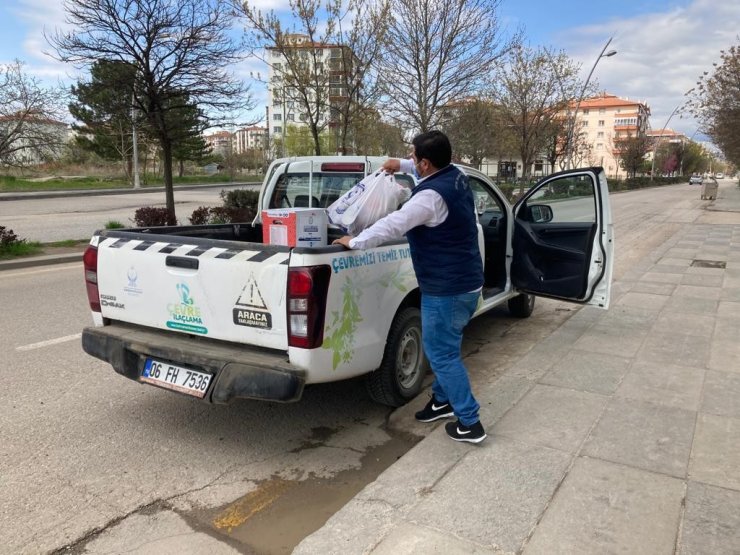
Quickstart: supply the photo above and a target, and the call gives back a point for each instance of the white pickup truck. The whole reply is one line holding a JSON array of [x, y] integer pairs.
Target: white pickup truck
[[212, 312]]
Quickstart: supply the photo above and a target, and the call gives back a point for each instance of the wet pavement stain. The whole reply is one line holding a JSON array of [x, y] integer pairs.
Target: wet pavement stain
[[275, 517]]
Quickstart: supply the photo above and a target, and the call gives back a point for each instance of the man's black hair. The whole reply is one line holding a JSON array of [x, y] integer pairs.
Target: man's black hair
[[435, 147]]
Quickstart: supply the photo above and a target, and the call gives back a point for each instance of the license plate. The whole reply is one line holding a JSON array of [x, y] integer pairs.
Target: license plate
[[174, 377]]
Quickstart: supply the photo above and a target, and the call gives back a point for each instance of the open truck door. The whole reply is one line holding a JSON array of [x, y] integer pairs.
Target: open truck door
[[562, 242]]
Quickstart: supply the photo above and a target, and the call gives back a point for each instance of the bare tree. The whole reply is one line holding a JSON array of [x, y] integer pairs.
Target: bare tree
[[475, 128], [180, 50], [716, 102], [329, 90], [438, 52], [30, 114], [361, 30], [533, 88]]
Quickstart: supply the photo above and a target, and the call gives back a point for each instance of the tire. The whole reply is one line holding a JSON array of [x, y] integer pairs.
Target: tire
[[401, 374], [521, 306]]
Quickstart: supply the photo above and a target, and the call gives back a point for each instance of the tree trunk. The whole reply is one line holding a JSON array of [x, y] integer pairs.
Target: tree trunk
[[316, 140], [167, 167], [181, 169]]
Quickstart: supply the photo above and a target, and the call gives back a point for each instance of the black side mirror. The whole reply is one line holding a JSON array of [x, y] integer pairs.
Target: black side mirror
[[539, 213]]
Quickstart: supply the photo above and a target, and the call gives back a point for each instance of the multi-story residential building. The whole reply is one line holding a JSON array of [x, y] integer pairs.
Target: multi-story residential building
[[599, 123], [284, 107], [220, 142], [249, 138]]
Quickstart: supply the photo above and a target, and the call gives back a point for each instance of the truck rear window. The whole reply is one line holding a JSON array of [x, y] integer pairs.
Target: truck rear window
[[296, 190]]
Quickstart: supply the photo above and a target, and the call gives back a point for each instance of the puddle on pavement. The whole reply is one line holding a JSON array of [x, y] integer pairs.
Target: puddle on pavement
[[274, 518]]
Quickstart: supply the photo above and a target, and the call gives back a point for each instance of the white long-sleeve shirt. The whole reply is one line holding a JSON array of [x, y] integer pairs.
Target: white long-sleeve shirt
[[425, 208]]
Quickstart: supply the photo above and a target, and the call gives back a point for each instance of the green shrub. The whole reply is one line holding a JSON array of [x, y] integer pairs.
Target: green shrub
[[113, 224], [221, 215], [240, 198], [12, 245], [7, 237], [151, 216]]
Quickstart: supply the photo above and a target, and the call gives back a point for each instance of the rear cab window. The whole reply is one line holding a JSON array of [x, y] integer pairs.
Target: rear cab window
[[320, 190]]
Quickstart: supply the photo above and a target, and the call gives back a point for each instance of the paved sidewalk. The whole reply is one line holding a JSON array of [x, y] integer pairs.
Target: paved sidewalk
[[618, 433]]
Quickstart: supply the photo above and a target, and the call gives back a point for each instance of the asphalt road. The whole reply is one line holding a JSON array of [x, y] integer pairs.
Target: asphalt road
[[57, 219], [83, 447]]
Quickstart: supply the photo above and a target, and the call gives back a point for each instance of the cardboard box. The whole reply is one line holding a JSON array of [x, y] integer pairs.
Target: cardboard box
[[294, 227]]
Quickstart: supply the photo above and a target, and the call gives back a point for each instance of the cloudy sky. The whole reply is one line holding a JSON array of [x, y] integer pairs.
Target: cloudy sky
[[663, 45]]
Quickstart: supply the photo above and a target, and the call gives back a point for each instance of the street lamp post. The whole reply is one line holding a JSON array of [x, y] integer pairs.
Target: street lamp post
[[658, 141], [571, 127]]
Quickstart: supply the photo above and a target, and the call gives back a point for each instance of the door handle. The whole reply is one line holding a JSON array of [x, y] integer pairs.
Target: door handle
[[185, 262]]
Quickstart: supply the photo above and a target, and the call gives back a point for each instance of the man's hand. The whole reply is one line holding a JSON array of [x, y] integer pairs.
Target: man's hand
[[392, 165], [344, 241]]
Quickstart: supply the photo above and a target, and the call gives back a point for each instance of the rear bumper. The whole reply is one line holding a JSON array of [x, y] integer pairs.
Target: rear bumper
[[239, 371]]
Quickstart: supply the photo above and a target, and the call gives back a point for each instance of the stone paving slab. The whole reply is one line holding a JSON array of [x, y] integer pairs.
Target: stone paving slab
[[412, 539], [721, 394], [711, 524], [643, 435], [609, 508], [591, 372], [552, 417], [500, 507], [669, 385], [715, 458]]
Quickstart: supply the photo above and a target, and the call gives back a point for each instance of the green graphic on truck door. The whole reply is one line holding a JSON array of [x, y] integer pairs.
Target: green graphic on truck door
[[340, 334]]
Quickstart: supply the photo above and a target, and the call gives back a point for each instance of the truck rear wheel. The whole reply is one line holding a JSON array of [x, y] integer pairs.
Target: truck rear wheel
[[521, 306], [400, 375]]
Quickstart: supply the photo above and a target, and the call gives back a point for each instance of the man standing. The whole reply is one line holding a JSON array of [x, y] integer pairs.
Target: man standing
[[439, 221]]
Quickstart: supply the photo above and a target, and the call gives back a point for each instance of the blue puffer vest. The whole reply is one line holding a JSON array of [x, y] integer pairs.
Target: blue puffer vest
[[446, 258]]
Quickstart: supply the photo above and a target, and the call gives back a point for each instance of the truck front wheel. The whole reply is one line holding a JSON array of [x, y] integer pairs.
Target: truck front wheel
[[400, 375], [521, 306]]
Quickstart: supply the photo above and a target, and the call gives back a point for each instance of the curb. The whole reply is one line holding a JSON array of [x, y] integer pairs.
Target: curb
[[45, 260]]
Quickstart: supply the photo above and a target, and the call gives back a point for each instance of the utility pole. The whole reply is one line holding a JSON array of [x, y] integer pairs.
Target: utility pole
[[134, 142]]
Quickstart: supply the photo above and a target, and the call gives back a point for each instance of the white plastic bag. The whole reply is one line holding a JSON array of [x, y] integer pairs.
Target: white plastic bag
[[364, 204]]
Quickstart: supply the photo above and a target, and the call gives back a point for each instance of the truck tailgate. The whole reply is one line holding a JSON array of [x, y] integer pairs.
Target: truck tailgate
[[219, 289]]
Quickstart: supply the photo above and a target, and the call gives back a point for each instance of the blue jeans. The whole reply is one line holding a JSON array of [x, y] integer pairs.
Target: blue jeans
[[442, 323]]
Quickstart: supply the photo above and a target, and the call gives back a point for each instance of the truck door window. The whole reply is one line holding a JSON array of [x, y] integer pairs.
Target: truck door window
[[571, 199], [487, 205]]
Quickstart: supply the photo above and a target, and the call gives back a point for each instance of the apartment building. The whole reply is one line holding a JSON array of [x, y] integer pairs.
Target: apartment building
[[220, 142], [600, 122], [249, 138], [284, 107]]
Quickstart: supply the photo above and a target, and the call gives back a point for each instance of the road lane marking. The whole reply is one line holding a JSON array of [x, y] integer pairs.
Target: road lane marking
[[56, 268], [48, 342]]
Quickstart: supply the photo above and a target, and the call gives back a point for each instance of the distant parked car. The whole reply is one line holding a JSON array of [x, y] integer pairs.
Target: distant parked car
[[696, 180], [719, 176]]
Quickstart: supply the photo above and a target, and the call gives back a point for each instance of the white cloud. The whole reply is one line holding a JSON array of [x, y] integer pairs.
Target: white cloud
[[660, 55]]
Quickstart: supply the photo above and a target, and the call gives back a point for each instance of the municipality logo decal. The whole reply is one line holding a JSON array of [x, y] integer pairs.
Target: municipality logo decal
[[185, 315], [132, 287]]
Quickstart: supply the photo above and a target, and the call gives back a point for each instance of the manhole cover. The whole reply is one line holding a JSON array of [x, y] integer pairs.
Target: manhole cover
[[708, 264]]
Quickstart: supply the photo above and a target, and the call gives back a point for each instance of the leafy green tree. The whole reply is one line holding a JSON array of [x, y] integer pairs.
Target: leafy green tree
[[102, 108], [631, 153]]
